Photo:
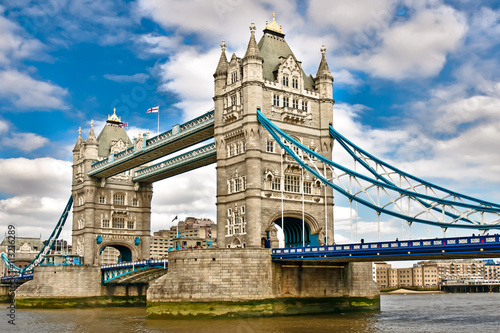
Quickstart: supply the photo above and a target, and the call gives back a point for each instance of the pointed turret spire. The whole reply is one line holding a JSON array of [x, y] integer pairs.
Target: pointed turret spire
[[79, 141], [222, 66], [252, 48], [323, 69], [91, 139]]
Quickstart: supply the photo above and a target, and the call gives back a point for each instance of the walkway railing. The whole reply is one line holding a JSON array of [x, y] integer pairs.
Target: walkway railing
[[409, 248], [178, 131], [141, 263], [176, 162]]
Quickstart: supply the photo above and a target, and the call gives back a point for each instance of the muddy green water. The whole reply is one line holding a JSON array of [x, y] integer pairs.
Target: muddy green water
[[399, 313]]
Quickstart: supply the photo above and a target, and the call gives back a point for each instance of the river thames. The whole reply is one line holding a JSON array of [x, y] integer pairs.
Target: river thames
[[399, 313]]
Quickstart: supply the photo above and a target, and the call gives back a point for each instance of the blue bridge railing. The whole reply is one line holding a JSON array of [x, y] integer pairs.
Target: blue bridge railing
[[488, 244]]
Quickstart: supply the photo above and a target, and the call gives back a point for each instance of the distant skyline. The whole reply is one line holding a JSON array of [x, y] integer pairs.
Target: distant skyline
[[416, 84]]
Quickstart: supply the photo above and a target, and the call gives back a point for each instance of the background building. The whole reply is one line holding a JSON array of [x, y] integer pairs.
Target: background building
[[192, 232], [26, 248], [432, 273]]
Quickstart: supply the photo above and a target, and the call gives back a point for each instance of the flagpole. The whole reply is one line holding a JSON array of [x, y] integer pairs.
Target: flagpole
[[158, 121]]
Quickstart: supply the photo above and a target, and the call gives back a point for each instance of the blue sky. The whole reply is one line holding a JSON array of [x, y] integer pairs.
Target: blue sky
[[416, 83]]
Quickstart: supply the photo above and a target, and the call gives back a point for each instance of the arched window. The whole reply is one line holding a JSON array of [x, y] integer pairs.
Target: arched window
[[119, 199]]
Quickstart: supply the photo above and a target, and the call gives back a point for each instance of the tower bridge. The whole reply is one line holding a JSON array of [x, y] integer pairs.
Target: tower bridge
[[273, 134]]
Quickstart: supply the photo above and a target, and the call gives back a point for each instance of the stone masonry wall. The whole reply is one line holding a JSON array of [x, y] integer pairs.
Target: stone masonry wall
[[210, 275], [359, 280], [62, 282], [297, 279]]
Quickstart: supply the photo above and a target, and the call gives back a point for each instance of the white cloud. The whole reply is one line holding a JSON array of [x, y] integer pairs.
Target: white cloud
[[139, 77], [189, 74], [43, 177], [151, 45], [4, 127], [25, 142], [351, 16], [27, 93], [414, 48], [189, 194], [13, 46]]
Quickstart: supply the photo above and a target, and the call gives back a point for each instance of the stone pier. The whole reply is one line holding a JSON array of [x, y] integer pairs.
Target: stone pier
[[245, 282], [75, 287]]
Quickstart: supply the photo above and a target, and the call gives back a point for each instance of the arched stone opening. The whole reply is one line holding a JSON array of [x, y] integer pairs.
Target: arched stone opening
[[111, 253], [292, 230]]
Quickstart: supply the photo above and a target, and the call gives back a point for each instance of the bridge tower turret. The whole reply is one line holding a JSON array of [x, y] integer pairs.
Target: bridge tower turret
[[250, 180], [111, 212]]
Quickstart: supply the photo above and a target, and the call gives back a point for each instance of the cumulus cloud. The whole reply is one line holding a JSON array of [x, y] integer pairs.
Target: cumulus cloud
[[139, 77], [35, 177], [25, 142], [189, 194], [349, 16], [13, 46], [417, 47], [25, 92], [189, 74]]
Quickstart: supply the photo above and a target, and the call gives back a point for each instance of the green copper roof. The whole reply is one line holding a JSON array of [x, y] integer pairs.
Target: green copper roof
[[272, 48], [110, 134]]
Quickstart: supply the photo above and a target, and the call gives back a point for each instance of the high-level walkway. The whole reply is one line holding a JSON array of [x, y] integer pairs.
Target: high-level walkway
[[179, 137]]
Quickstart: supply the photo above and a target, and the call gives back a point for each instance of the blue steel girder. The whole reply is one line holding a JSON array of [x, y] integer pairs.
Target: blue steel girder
[[178, 138], [194, 159], [134, 272], [49, 244], [420, 249], [384, 196]]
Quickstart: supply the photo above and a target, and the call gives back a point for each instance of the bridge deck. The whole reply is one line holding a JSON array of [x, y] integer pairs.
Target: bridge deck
[[438, 248], [178, 138]]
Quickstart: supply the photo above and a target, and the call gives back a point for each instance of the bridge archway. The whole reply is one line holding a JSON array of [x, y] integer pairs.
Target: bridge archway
[[293, 230], [126, 253]]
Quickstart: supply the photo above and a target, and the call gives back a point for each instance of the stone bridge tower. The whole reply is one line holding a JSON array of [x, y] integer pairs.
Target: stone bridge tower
[[250, 179], [108, 212]]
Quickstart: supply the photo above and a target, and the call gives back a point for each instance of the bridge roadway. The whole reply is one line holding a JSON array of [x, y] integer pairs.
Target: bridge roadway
[[178, 138], [487, 246]]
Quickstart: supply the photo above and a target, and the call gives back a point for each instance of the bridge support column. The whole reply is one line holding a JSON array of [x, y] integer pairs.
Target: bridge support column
[[245, 282]]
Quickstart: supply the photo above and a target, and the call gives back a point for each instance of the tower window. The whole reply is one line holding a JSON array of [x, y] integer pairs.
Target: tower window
[[233, 100], [304, 106], [135, 203], [119, 222], [276, 184], [285, 101], [119, 199], [292, 183], [276, 100], [234, 76], [295, 83], [102, 199], [285, 80], [105, 223], [307, 187], [295, 104], [130, 225], [270, 146]]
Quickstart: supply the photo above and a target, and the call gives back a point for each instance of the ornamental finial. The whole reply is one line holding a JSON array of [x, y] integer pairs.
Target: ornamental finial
[[79, 131], [114, 117], [252, 27], [273, 25], [92, 123], [323, 49], [223, 45]]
